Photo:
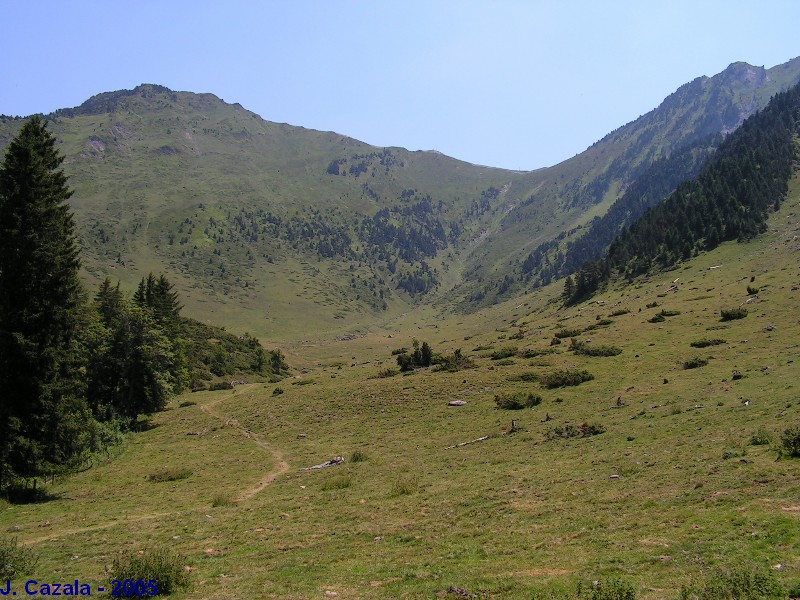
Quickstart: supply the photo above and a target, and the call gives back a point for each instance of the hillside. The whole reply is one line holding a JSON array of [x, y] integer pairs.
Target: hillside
[[291, 234], [621, 175], [266, 227], [661, 470]]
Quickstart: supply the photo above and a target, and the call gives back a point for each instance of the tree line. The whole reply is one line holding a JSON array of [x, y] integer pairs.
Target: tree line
[[76, 372]]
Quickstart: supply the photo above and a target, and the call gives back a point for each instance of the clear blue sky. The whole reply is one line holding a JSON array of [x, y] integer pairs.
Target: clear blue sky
[[515, 84]]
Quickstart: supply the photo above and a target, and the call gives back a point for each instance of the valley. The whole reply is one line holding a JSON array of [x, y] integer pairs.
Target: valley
[[450, 421], [682, 483]]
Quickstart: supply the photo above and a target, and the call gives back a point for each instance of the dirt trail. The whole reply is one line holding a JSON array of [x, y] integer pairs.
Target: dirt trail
[[281, 466]]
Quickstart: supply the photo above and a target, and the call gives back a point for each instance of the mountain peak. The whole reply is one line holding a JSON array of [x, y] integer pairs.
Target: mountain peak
[[744, 73]]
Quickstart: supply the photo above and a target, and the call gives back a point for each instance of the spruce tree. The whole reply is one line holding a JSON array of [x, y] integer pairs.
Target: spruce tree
[[43, 416]]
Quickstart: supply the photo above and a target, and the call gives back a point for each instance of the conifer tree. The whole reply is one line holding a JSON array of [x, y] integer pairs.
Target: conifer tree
[[43, 416]]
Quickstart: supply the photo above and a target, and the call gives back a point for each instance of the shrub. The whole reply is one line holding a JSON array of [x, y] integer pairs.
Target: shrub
[[562, 378], [611, 589], [752, 291], [384, 373], [736, 376], [737, 584], [731, 314], [528, 377], [598, 324], [574, 431], [186, 403], [171, 474], [277, 391], [565, 333], [517, 401], [397, 351], [162, 565], [693, 363], [790, 442], [454, 362], [405, 486], [707, 343], [657, 318], [358, 456], [504, 352], [533, 352], [222, 499], [220, 385], [651, 305], [619, 312], [482, 347], [670, 313], [599, 350], [760, 438], [15, 559]]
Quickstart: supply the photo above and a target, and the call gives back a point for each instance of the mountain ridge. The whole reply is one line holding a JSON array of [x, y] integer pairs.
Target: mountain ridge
[[260, 223]]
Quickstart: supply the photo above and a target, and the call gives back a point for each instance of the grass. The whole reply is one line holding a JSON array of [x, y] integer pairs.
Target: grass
[[515, 517], [170, 474]]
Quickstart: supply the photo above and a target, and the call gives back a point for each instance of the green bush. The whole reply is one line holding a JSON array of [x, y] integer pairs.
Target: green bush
[[567, 333], [657, 318], [790, 442], [454, 362], [534, 352], [15, 559], [186, 403], [162, 565], [220, 385], [358, 456], [277, 391], [384, 373], [731, 314], [706, 343], [611, 589], [598, 324], [574, 431], [752, 291], [564, 377], [694, 363], [760, 438], [222, 499], [504, 352], [517, 401], [405, 486], [735, 585], [528, 377]]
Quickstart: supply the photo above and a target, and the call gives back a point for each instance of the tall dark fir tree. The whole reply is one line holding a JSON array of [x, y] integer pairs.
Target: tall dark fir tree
[[43, 415]]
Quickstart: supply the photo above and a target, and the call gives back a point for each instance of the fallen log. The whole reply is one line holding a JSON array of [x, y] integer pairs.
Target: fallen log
[[480, 439], [336, 460]]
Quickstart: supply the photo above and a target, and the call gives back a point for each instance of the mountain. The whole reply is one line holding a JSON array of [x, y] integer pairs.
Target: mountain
[[292, 233], [647, 157], [276, 229]]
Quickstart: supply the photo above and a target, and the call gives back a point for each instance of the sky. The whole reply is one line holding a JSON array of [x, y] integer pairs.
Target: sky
[[513, 84]]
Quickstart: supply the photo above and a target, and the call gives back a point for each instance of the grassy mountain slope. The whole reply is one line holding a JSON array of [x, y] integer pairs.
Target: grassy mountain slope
[[682, 483], [555, 205], [260, 223], [290, 233]]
